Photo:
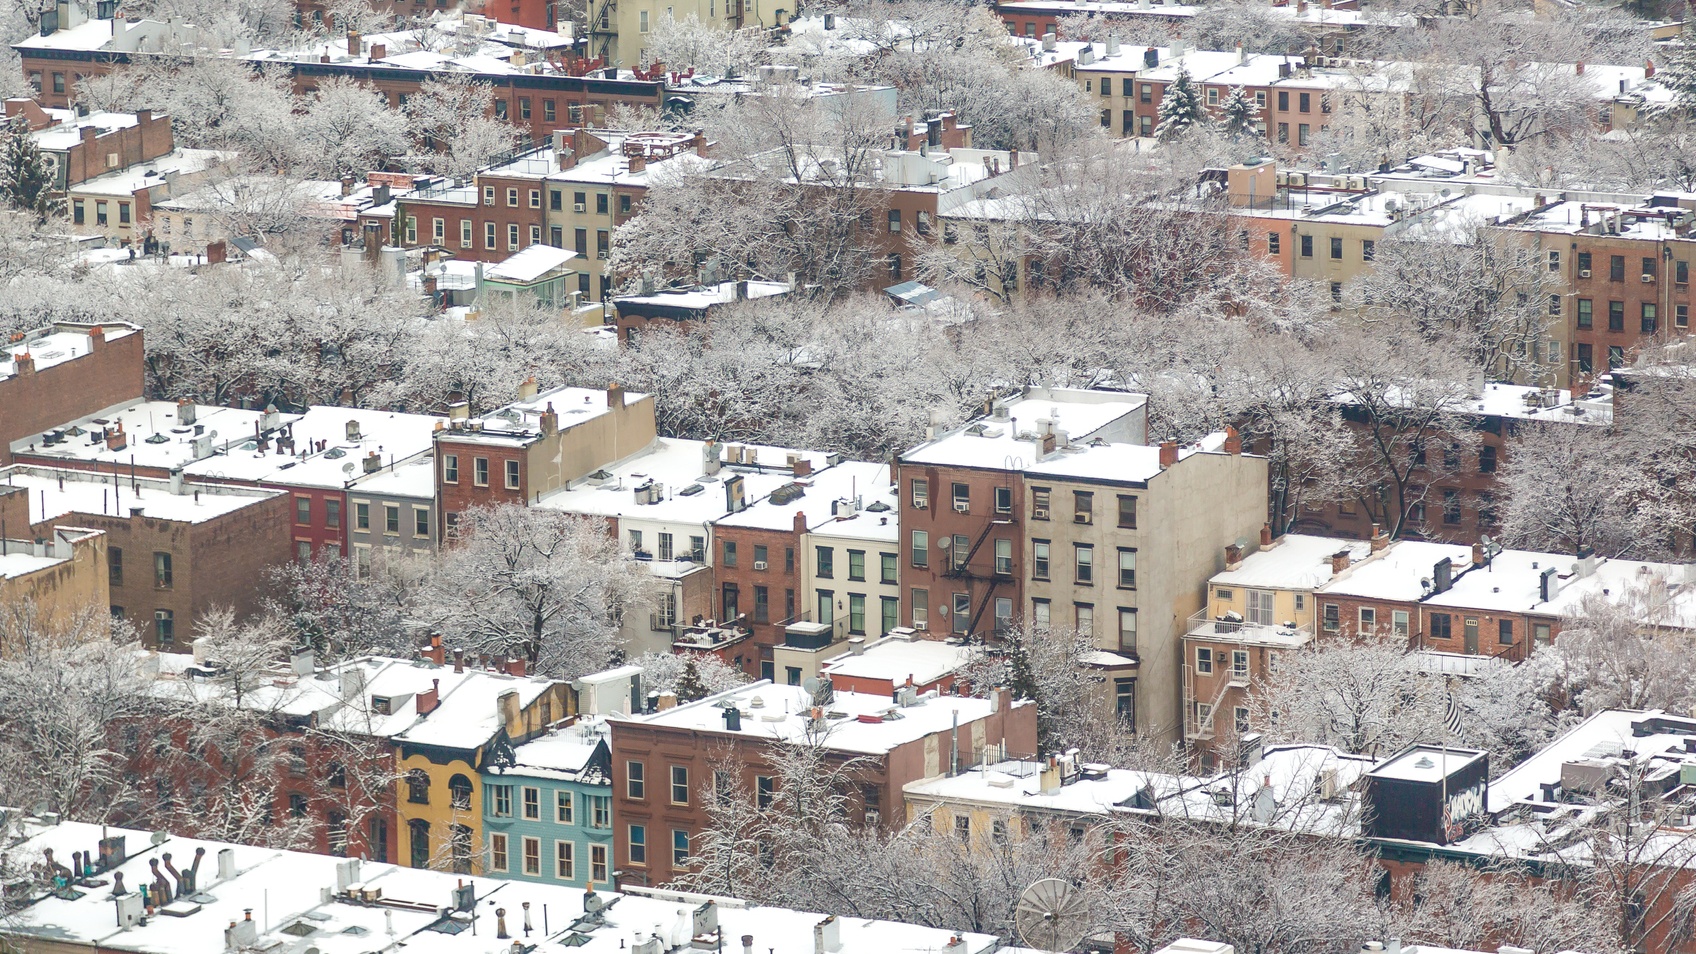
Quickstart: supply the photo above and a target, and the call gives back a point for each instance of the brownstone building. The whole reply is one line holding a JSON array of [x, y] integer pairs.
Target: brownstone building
[[174, 550], [63, 372], [668, 765]]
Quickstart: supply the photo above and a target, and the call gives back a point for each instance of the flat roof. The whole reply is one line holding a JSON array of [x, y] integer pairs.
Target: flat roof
[[1295, 561], [55, 492], [155, 437], [332, 445], [55, 345], [825, 502], [1426, 763], [1010, 443], [896, 657]]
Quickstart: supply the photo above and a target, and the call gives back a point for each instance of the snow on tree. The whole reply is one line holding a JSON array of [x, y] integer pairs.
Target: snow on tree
[[453, 128], [549, 587], [1367, 695], [26, 181], [709, 50], [1624, 651], [1241, 112], [692, 676], [1180, 107], [1548, 498], [341, 614], [349, 129]]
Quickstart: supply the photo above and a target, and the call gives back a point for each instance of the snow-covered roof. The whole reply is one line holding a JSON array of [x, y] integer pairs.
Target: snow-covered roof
[[414, 478], [701, 298], [55, 345], [1016, 784], [54, 492], [1295, 561], [520, 423], [155, 437], [529, 265], [895, 657], [348, 437], [677, 469], [62, 136], [294, 914], [1008, 441], [862, 723], [154, 172], [564, 754], [1652, 736], [827, 500], [21, 557], [1426, 763]]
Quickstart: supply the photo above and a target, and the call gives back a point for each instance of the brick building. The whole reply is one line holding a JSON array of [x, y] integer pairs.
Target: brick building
[[65, 371], [668, 764], [61, 571], [79, 147], [539, 84], [173, 550]]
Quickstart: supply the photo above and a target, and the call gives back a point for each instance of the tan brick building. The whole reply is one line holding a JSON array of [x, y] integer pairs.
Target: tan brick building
[[59, 373]]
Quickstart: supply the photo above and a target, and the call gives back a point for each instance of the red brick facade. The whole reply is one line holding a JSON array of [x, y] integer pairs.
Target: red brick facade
[[35, 401]]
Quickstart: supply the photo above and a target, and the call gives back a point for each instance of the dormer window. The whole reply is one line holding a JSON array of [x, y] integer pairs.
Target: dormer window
[[381, 705]]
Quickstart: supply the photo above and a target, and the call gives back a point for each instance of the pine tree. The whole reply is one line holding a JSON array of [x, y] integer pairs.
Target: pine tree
[[1241, 113], [26, 183], [1180, 107], [689, 684]]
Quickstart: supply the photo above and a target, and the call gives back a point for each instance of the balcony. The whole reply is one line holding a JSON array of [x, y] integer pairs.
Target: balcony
[[1231, 627]]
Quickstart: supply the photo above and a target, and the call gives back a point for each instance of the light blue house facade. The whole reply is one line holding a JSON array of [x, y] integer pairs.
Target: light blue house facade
[[547, 810]]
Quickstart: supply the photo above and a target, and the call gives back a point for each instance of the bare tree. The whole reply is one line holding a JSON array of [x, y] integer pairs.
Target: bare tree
[[1368, 695]]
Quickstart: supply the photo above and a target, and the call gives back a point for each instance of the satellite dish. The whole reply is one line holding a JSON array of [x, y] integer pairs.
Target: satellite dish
[[811, 685], [1051, 915], [347, 468], [159, 838]]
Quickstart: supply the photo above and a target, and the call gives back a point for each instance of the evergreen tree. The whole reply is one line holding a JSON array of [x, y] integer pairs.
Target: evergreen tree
[[1241, 113], [1678, 76], [26, 183], [1180, 107], [689, 684]]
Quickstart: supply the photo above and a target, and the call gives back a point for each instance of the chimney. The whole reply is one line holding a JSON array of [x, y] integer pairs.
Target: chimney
[[97, 334], [517, 666], [747, 944], [354, 47], [226, 864], [506, 707], [1579, 66], [434, 651], [638, 164], [668, 700], [1233, 555], [827, 936], [1380, 539], [1168, 454], [379, 50], [615, 395], [1648, 68], [699, 142], [550, 420], [458, 662], [1265, 535], [23, 364], [500, 925], [1050, 781], [802, 467], [427, 700], [1478, 554], [1339, 561], [800, 523], [186, 411], [527, 388], [1233, 441]]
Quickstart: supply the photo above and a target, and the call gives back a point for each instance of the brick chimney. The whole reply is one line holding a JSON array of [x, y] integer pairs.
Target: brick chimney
[[434, 652], [638, 163], [517, 666], [615, 395], [550, 421], [1168, 454], [1340, 561], [96, 337], [802, 467], [1380, 539], [800, 522], [23, 364], [430, 698], [1233, 440], [1233, 555], [1265, 535], [1478, 554]]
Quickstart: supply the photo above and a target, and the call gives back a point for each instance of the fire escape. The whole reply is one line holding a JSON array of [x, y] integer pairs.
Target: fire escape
[[602, 29], [960, 568]]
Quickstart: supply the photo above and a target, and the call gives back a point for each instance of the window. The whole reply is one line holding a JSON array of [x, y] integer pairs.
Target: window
[[1305, 100], [679, 847], [1204, 660], [1272, 244], [418, 787], [1442, 626], [115, 565], [1239, 663], [1040, 497], [962, 498], [500, 801], [1039, 559], [1085, 613], [303, 511], [1125, 700], [1368, 619], [1127, 512], [1332, 618], [1451, 507], [1336, 249], [1586, 313], [1084, 558], [1681, 273], [164, 627], [421, 522], [391, 519], [161, 570], [1616, 356], [921, 608], [962, 612], [894, 220], [1540, 633], [512, 237], [1586, 357], [1041, 615], [763, 791], [1083, 506], [890, 614], [1003, 557], [459, 792], [1649, 270], [1307, 246], [634, 780], [1283, 101], [1616, 316], [601, 811], [565, 857], [464, 233], [1504, 632], [565, 807], [638, 844], [1681, 316], [679, 785], [1145, 92], [1368, 250], [58, 82], [497, 851], [919, 551], [532, 803], [1650, 318], [598, 862], [887, 568], [488, 235], [532, 856], [1127, 569], [1584, 263], [729, 553], [1303, 134], [1128, 630], [1616, 268]]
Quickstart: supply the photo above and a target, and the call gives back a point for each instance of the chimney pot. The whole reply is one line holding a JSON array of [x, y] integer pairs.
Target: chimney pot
[[1265, 535]]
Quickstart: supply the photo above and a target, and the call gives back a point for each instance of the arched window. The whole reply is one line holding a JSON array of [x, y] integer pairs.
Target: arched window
[[459, 790], [418, 787], [418, 832]]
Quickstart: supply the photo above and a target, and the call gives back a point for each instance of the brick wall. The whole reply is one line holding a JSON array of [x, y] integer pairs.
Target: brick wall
[[36, 401]]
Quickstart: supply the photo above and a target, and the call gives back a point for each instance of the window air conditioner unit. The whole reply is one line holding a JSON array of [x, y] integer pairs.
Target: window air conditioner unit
[[577, 207], [1584, 273], [1648, 279], [759, 564], [1040, 513], [1080, 517], [960, 506], [920, 504]]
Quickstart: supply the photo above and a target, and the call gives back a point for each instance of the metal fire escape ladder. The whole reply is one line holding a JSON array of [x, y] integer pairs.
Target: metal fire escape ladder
[[963, 570]]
